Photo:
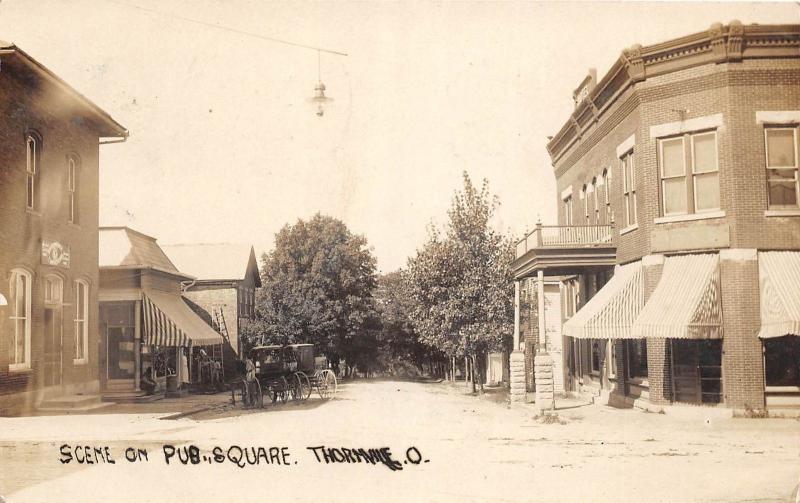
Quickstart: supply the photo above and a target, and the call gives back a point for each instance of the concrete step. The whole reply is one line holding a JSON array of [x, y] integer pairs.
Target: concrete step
[[71, 404], [130, 397]]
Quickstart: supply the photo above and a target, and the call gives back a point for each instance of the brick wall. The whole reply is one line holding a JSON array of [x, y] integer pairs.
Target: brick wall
[[23, 108]]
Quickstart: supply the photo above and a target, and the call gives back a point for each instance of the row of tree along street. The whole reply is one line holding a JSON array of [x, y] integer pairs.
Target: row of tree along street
[[451, 305]]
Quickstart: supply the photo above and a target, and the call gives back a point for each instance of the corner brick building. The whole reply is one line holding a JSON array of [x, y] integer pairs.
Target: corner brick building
[[677, 249], [48, 234]]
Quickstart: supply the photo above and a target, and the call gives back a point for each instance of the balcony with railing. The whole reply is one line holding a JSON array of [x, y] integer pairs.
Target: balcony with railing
[[564, 249]]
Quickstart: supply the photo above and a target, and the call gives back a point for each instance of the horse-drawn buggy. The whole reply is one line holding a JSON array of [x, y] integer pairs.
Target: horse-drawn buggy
[[283, 373]]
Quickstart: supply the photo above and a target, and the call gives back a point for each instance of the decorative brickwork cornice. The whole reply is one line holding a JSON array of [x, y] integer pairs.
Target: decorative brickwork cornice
[[719, 44]]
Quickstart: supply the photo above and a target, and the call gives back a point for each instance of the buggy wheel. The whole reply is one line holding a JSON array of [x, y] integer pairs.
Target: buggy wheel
[[326, 384], [296, 390], [306, 385], [283, 391]]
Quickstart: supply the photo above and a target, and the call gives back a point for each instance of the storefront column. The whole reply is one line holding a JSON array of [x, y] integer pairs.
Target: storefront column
[[517, 357], [742, 360], [137, 339], [658, 357], [543, 363]]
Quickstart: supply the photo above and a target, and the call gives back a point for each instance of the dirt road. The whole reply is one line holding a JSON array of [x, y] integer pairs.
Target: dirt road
[[399, 441]]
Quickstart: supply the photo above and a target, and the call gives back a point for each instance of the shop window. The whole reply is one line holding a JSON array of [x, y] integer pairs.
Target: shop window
[[783, 187], [689, 174], [20, 309], [596, 356], [782, 361], [81, 322], [629, 187], [72, 189], [637, 358], [32, 158]]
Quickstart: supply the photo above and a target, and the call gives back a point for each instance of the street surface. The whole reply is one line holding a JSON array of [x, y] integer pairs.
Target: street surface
[[467, 449]]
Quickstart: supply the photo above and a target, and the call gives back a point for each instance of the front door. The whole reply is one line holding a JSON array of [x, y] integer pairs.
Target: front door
[[118, 324], [52, 347]]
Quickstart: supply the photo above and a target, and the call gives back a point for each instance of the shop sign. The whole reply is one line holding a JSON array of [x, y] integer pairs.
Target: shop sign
[[55, 254]]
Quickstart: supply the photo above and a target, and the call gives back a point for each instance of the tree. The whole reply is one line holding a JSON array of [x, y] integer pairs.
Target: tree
[[460, 283], [317, 288]]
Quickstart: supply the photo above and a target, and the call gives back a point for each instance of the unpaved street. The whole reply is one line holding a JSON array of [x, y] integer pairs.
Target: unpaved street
[[467, 449]]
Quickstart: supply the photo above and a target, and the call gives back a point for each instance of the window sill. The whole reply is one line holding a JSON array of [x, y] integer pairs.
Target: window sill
[[782, 389], [628, 229], [642, 383], [74, 225], [35, 213], [82, 361], [689, 217], [782, 213], [19, 368]]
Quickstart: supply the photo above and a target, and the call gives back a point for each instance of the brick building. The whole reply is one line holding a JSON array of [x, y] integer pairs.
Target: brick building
[[225, 289], [48, 234], [677, 248]]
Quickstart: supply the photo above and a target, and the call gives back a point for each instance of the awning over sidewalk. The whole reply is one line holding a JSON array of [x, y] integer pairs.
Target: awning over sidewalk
[[779, 277], [686, 303], [612, 311], [169, 321]]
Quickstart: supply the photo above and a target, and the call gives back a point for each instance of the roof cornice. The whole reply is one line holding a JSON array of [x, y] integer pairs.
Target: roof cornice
[[719, 44]]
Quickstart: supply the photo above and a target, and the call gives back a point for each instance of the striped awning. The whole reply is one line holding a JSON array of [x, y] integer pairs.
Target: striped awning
[[779, 276], [612, 311], [686, 303], [169, 321]]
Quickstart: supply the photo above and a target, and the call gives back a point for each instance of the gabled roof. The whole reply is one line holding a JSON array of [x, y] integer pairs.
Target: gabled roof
[[107, 126], [215, 261], [125, 248]]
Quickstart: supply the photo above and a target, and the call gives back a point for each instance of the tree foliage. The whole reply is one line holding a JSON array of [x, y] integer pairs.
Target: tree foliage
[[318, 283], [459, 283]]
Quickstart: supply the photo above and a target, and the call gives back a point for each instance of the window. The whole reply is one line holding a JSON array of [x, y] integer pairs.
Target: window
[[568, 210], [782, 361], [53, 288], [629, 179], [611, 351], [637, 358], [20, 308], [596, 356], [607, 195], [81, 322], [32, 171], [689, 174], [783, 190], [72, 184], [585, 197], [595, 202]]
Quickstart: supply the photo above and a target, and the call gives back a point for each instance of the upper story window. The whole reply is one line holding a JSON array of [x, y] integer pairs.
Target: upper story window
[[81, 322], [783, 188], [568, 210], [32, 157], [595, 201], [20, 315], [72, 189], [629, 188], [689, 174], [607, 195], [585, 197]]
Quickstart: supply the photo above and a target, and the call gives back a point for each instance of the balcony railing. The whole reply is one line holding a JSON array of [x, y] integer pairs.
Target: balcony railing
[[564, 236]]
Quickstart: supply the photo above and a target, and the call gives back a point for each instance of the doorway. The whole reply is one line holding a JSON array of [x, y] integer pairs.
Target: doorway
[[117, 320], [697, 371], [52, 346]]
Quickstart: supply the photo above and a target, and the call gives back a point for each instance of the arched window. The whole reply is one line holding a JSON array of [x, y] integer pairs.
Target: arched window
[[607, 194], [81, 322], [20, 315], [72, 188], [595, 202], [32, 157], [585, 198]]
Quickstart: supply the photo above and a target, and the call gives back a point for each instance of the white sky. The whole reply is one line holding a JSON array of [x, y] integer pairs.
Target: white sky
[[225, 147]]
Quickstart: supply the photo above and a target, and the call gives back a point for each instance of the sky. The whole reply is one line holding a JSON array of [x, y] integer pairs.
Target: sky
[[225, 147]]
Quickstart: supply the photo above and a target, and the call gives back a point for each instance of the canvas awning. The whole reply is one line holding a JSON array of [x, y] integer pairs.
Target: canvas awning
[[169, 321], [686, 303], [612, 311], [779, 278]]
